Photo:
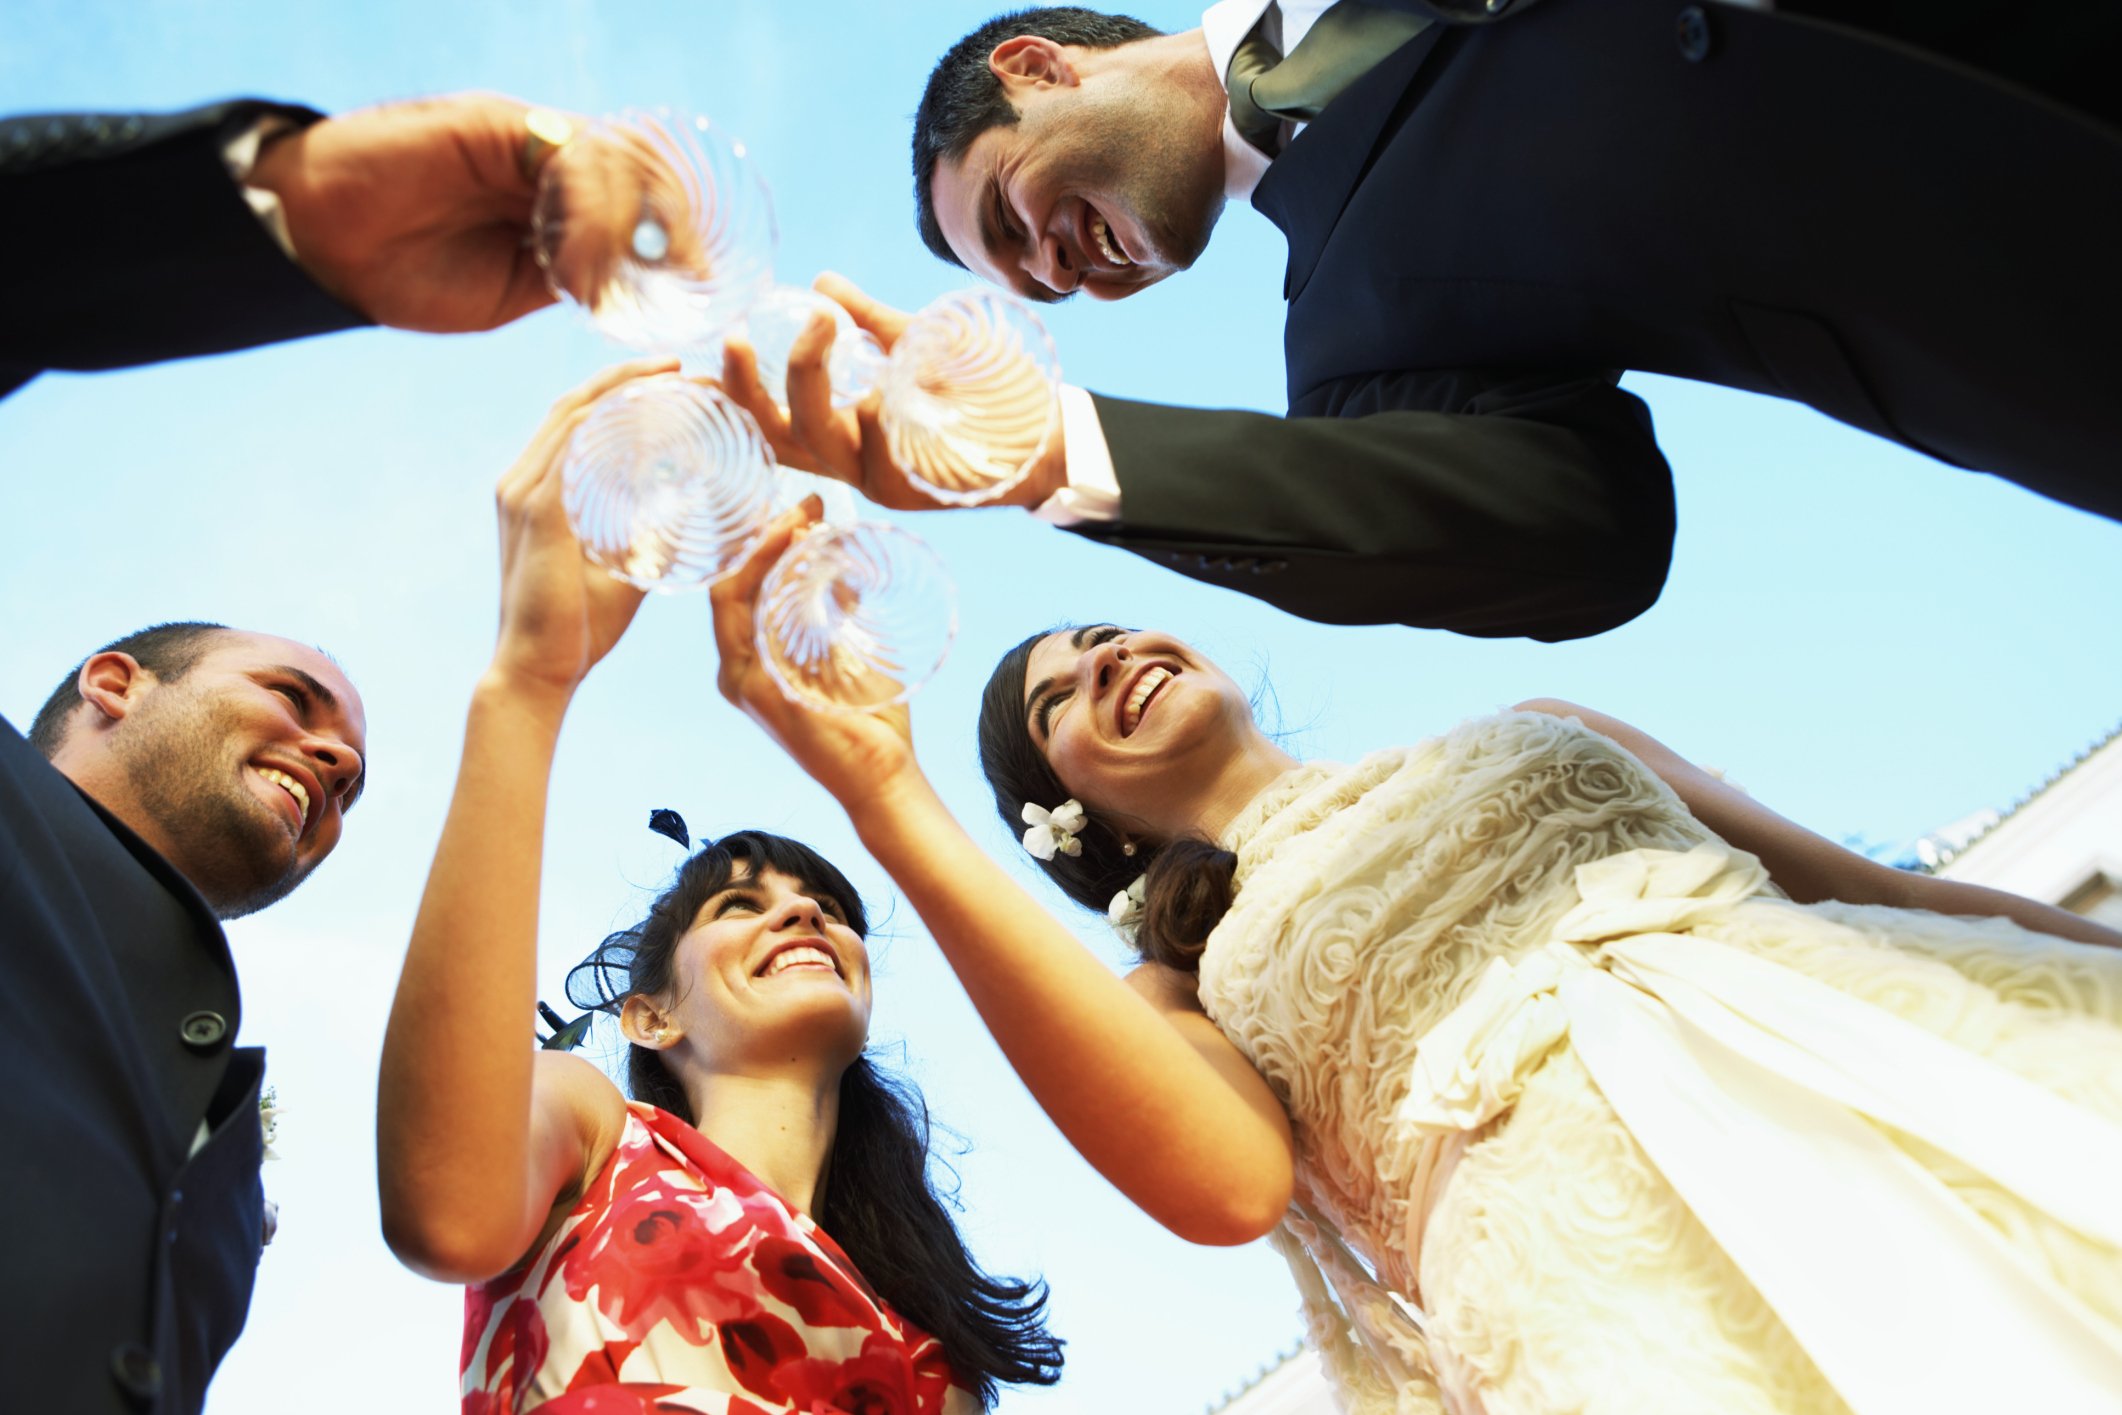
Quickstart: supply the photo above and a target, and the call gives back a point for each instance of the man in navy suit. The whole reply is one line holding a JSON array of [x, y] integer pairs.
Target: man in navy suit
[[1904, 217], [183, 775]]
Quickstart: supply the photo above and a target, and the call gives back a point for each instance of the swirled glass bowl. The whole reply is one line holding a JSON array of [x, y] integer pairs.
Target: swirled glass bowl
[[656, 223], [666, 483], [971, 396], [855, 618], [779, 316]]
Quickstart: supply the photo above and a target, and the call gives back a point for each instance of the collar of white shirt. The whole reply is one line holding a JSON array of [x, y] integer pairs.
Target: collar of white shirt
[[1225, 27]]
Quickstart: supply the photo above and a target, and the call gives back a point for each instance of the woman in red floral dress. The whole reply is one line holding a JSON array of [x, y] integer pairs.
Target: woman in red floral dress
[[669, 1253]]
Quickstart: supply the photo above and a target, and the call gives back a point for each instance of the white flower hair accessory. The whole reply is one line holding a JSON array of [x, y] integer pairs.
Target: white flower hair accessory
[[1126, 910], [1054, 830]]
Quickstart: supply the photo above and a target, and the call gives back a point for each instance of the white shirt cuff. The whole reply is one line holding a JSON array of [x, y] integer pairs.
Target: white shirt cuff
[[240, 155], [1093, 490]]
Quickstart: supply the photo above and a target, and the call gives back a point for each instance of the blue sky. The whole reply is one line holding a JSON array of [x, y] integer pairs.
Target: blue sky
[[1871, 643]]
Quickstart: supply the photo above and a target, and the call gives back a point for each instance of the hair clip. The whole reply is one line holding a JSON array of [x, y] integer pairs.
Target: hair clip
[[1053, 830], [1126, 910], [670, 823], [566, 1035]]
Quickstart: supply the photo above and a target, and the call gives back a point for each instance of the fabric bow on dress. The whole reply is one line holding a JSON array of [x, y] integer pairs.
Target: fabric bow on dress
[[1759, 1093]]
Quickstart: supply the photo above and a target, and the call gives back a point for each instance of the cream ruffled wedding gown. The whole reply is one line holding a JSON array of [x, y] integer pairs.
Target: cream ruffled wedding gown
[[1670, 1143]]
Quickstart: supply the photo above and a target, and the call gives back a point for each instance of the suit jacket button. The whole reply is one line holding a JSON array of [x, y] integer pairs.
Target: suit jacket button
[[136, 1371], [203, 1031], [1692, 32]]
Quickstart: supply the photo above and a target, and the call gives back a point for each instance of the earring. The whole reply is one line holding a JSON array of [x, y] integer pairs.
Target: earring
[[1127, 847]]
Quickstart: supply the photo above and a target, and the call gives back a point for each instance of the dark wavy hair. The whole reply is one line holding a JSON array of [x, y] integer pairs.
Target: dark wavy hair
[[964, 99], [881, 1206], [1187, 883]]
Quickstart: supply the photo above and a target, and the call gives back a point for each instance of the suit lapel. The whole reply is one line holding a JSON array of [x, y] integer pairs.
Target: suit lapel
[[1309, 185]]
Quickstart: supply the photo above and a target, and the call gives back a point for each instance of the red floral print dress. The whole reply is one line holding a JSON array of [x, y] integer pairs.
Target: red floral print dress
[[681, 1283]]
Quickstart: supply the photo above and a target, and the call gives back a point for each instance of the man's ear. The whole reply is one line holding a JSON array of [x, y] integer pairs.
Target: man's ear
[[1030, 62], [646, 1026], [114, 684]]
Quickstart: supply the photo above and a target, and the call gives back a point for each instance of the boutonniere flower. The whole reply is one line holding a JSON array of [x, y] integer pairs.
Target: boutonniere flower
[[1054, 832]]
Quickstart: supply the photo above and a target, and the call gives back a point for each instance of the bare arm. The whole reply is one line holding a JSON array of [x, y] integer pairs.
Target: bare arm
[[476, 1134], [1809, 867], [1149, 1092]]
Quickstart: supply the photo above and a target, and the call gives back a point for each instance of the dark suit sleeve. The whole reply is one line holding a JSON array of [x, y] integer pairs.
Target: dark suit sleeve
[[1486, 505], [123, 240]]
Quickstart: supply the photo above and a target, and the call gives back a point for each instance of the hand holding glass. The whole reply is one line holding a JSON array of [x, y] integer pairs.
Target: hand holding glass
[[667, 483]]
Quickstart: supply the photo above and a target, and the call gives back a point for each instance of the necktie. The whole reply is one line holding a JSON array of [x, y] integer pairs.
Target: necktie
[[1267, 88]]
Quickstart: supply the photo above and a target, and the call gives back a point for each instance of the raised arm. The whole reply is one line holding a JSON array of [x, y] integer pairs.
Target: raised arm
[[1809, 867], [477, 1134], [1484, 502], [1140, 1083]]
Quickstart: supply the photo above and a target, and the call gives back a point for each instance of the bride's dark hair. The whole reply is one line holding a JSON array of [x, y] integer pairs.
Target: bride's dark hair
[[1187, 882], [881, 1205]]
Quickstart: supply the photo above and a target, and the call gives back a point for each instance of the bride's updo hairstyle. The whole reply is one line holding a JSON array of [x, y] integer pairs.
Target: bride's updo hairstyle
[[881, 1206], [1187, 883]]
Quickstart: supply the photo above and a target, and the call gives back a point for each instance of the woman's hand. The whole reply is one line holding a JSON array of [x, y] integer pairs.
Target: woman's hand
[[857, 756], [560, 614], [848, 444]]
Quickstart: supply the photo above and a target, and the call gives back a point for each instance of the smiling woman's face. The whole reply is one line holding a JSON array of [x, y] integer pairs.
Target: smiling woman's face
[[768, 971], [1137, 725]]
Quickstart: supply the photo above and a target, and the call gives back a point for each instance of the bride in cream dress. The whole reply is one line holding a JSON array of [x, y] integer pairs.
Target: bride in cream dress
[[1520, 1046]]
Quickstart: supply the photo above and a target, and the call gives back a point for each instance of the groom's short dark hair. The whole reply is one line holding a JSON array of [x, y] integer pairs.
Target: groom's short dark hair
[[169, 651], [964, 98]]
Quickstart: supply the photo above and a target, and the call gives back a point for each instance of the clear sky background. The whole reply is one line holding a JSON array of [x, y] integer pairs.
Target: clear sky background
[[1870, 642]]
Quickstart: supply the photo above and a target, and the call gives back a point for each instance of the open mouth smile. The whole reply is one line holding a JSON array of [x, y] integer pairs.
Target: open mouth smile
[[296, 791], [792, 956], [1145, 688], [1101, 234]]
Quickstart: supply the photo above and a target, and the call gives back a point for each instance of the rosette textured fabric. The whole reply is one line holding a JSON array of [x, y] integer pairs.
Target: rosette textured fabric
[[1591, 1118]]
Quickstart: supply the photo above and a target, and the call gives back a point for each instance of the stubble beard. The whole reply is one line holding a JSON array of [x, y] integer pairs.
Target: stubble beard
[[187, 777], [1157, 174]]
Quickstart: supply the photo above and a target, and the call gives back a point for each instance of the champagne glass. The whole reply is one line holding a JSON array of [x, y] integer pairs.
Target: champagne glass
[[972, 396], [969, 395], [855, 618], [658, 225], [668, 484], [855, 363]]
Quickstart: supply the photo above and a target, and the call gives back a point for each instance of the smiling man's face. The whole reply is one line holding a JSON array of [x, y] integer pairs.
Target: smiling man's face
[[1109, 181], [240, 772]]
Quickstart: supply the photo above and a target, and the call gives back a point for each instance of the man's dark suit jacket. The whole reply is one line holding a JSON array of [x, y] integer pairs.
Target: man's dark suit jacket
[[129, 1254], [124, 241], [1492, 223]]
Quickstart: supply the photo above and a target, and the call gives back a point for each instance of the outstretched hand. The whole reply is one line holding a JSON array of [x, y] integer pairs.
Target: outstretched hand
[[414, 213], [560, 614], [857, 756], [849, 444]]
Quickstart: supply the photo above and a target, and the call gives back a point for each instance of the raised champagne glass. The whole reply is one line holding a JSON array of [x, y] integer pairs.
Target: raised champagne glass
[[658, 225]]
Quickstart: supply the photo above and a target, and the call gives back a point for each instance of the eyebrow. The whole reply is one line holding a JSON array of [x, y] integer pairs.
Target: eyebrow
[[330, 700], [322, 694], [1032, 700]]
